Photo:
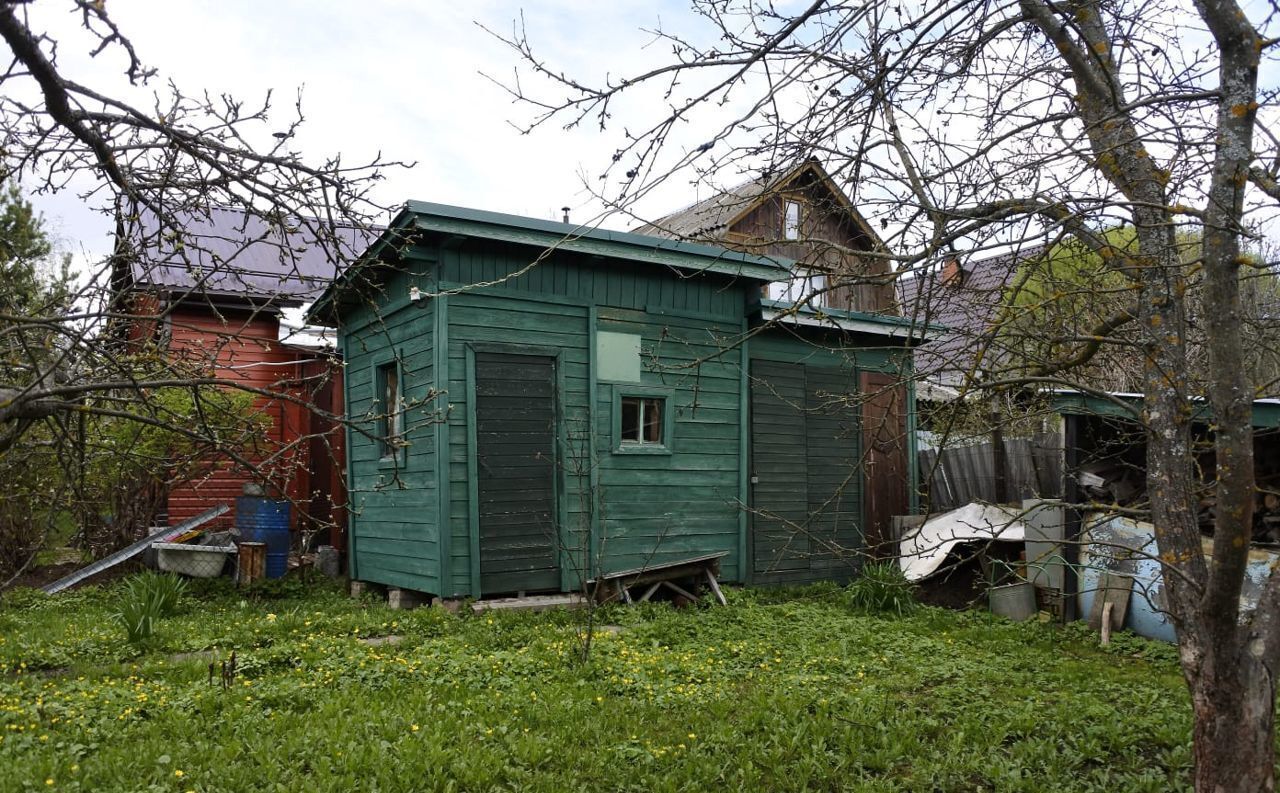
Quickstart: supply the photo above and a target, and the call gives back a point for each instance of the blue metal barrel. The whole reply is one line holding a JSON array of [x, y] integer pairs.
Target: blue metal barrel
[[266, 520]]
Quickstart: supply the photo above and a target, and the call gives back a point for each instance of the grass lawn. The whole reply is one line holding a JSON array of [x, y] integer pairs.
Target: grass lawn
[[779, 691]]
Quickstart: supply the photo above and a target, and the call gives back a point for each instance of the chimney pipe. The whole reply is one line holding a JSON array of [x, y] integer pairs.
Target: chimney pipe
[[952, 272], [565, 210]]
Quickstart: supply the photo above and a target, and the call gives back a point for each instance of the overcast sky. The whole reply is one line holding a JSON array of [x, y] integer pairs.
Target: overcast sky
[[400, 76], [404, 77]]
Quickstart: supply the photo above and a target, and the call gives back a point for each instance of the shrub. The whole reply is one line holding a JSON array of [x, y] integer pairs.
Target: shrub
[[147, 598], [880, 588], [164, 589]]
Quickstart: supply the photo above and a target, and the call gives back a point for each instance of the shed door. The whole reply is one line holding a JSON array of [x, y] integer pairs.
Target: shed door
[[807, 491], [515, 462], [884, 435], [834, 474], [780, 500]]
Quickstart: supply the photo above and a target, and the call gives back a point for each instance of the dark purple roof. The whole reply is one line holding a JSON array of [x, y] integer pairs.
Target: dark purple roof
[[965, 306], [234, 253]]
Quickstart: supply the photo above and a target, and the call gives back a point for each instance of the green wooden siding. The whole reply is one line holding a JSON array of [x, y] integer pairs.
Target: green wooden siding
[[835, 486], [585, 280], [780, 550], [806, 451], [662, 507], [392, 529], [807, 496], [483, 321]]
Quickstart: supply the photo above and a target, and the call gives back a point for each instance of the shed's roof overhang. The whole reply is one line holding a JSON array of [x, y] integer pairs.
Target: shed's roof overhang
[[1129, 406], [423, 217], [552, 235], [900, 328]]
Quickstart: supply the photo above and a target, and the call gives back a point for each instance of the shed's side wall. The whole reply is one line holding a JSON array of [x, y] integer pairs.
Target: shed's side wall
[[664, 507], [826, 350], [616, 511], [393, 503]]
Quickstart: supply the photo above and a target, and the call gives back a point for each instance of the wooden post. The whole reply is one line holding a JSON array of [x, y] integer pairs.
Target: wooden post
[[999, 460], [252, 562]]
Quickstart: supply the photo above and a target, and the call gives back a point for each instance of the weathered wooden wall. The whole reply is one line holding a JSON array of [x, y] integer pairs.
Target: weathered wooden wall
[[641, 508], [393, 504], [827, 237], [810, 474], [414, 521], [956, 476]]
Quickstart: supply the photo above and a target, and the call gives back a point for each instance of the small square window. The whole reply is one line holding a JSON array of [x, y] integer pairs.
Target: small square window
[[390, 411], [791, 220], [642, 421]]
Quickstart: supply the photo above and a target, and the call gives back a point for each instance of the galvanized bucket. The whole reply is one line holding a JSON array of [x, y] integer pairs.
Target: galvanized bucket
[[1016, 601]]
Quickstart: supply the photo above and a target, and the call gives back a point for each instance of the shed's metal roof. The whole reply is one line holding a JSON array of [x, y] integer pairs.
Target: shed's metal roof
[[447, 220], [903, 328], [1126, 405]]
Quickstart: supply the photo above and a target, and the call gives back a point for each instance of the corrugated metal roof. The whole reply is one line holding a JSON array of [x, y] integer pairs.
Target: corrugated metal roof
[[965, 306], [232, 252], [1129, 405], [708, 220]]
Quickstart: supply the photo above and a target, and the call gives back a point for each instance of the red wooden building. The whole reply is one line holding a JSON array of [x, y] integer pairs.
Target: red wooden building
[[227, 300]]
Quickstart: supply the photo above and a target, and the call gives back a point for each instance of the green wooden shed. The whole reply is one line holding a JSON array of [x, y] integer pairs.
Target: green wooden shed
[[534, 403]]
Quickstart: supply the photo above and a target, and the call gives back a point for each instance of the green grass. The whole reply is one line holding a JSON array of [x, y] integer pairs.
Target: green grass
[[780, 691]]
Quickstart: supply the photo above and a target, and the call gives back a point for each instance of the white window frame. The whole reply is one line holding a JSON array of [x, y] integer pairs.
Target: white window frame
[[804, 286], [792, 217]]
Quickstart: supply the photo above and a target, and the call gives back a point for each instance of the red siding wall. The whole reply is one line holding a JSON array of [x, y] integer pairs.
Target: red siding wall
[[304, 450]]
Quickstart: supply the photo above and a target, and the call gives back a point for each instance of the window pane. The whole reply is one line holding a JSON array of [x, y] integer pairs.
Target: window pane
[[641, 421], [631, 419], [799, 288], [390, 419], [653, 421], [791, 225]]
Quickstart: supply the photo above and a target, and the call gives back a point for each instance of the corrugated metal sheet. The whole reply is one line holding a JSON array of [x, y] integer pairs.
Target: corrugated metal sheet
[[230, 252], [959, 475]]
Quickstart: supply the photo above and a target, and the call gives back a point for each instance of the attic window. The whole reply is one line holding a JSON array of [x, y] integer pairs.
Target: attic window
[[791, 220]]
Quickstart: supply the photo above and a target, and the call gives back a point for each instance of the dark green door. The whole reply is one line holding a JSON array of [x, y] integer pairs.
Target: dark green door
[[834, 473], [806, 493], [780, 502], [516, 466]]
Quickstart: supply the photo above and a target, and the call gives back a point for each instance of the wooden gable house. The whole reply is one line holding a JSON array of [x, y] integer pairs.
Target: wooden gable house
[[800, 214], [533, 404]]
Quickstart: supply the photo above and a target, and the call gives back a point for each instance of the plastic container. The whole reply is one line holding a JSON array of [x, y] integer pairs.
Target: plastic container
[[1016, 601], [266, 520], [196, 561]]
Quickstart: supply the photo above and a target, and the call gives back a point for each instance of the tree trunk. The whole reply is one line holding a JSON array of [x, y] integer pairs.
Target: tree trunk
[[1234, 735]]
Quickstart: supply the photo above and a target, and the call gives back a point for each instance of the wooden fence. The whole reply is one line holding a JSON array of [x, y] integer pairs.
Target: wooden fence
[[956, 476]]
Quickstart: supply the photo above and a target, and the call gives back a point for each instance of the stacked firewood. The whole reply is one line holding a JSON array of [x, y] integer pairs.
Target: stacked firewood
[[1112, 483]]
